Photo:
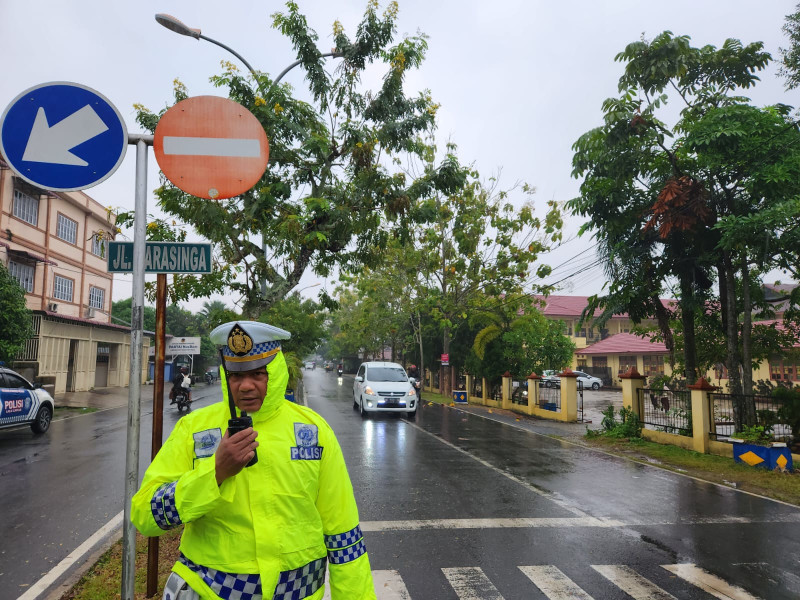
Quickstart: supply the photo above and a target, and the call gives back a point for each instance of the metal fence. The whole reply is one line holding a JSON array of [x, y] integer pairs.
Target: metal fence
[[729, 416], [496, 390], [666, 410], [477, 387], [550, 398], [519, 392]]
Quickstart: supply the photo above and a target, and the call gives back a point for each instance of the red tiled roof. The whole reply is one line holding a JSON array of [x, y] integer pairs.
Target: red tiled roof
[[624, 343], [572, 306]]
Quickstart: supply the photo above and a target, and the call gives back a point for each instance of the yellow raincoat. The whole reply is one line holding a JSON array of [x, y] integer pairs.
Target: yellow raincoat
[[271, 529]]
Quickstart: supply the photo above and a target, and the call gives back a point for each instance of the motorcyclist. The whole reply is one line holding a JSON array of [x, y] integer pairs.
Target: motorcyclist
[[340, 369], [413, 371], [181, 378]]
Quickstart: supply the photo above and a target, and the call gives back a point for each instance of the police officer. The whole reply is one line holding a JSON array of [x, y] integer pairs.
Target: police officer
[[264, 530]]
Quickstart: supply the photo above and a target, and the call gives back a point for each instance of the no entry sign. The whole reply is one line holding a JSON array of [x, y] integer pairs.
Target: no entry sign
[[211, 147]]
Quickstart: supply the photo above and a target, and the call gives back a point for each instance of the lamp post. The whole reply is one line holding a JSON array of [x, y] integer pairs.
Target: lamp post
[[180, 27]]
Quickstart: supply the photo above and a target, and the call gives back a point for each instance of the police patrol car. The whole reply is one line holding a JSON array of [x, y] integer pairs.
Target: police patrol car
[[21, 403]]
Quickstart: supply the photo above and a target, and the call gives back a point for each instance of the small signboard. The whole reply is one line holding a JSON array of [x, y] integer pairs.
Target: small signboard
[[161, 257], [63, 136], [445, 360], [211, 147], [180, 345]]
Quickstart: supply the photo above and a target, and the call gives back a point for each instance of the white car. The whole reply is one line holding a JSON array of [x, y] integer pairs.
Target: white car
[[551, 379], [384, 387], [24, 404]]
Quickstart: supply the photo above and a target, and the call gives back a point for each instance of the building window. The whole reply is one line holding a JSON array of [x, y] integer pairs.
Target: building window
[[62, 288], [97, 297], [582, 333], [67, 229], [784, 370], [26, 207], [653, 365], [23, 274], [98, 245], [625, 363]]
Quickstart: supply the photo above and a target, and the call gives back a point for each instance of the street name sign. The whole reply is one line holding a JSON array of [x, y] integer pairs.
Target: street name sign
[[161, 257], [63, 136], [211, 147]]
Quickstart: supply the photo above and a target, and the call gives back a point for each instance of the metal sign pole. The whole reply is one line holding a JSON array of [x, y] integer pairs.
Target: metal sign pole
[[135, 381]]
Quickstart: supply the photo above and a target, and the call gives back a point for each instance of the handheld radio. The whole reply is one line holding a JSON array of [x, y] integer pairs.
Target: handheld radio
[[236, 424]]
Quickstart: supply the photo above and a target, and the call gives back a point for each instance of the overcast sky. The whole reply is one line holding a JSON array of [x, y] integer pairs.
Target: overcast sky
[[518, 80]]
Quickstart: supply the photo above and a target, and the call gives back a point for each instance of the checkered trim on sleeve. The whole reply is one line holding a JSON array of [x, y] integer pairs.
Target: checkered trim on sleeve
[[339, 557], [162, 505], [302, 582], [229, 586], [342, 540]]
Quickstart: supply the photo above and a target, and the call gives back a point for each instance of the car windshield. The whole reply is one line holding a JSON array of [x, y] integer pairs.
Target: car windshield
[[386, 374]]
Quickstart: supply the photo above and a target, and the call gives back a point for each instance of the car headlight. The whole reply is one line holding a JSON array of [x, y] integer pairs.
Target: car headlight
[[411, 392], [368, 391]]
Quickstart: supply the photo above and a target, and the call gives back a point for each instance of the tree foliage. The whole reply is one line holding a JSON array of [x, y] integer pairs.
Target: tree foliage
[[15, 318], [329, 198], [674, 206]]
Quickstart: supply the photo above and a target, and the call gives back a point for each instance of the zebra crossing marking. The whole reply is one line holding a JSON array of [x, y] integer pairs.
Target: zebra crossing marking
[[471, 583], [709, 583], [389, 585], [633, 584], [553, 583]]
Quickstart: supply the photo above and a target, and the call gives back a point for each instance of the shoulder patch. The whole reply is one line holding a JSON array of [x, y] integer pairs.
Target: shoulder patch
[[206, 442], [307, 437]]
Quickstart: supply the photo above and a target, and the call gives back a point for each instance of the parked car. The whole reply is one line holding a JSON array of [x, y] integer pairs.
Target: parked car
[[551, 379], [384, 387], [308, 365], [22, 403]]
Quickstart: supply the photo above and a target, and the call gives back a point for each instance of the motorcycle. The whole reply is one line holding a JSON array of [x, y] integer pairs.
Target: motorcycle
[[182, 399], [417, 387], [209, 378], [340, 371]]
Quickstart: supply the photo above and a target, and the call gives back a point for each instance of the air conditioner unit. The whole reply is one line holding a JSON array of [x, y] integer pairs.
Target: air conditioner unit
[[52, 307], [90, 312]]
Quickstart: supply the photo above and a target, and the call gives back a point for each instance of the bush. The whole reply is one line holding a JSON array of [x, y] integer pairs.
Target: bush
[[629, 426]]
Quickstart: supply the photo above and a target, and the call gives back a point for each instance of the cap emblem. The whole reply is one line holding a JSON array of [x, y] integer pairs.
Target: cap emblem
[[239, 341]]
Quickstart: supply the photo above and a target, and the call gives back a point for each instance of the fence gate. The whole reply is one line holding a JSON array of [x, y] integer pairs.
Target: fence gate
[[580, 402], [550, 398]]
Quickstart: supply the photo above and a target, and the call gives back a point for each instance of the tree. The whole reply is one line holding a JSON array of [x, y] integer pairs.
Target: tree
[[303, 318], [791, 55], [669, 204], [121, 314], [477, 243], [328, 198], [529, 342], [15, 318]]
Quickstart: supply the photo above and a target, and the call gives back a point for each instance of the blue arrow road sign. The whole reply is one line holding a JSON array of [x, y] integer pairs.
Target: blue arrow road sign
[[63, 136]]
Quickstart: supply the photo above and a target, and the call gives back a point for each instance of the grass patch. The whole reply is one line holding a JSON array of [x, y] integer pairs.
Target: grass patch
[[719, 469], [436, 398], [104, 579], [64, 412]]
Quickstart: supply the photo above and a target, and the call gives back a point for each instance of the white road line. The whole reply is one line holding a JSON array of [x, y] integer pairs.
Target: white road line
[[633, 584], [203, 146], [68, 563], [555, 498], [389, 586], [553, 583], [524, 522], [471, 583], [709, 583]]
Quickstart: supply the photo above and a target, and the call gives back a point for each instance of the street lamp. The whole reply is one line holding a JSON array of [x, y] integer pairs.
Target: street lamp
[[180, 27]]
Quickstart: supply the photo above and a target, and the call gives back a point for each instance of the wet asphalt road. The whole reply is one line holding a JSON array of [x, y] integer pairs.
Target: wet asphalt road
[[58, 489], [453, 506], [450, 473]]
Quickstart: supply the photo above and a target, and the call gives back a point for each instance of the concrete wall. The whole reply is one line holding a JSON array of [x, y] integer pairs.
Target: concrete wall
[[54, 349]]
